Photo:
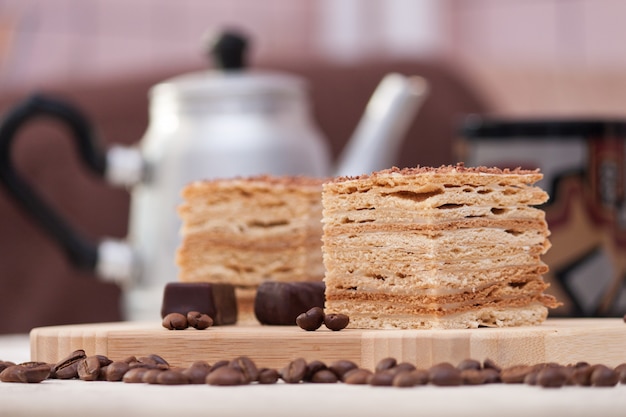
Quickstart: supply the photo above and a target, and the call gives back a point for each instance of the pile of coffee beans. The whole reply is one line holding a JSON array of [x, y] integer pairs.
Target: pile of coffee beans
[[153, 369], [178, 321], [313, 319]]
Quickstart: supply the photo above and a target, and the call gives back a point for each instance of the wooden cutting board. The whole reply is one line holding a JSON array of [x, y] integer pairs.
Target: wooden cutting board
[[557, 340]]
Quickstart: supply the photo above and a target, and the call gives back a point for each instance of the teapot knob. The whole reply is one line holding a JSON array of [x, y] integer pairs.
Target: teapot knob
[[228, 50]]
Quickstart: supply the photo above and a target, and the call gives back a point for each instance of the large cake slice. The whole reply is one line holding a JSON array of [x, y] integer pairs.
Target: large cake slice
[[246, 231], [448, 247]]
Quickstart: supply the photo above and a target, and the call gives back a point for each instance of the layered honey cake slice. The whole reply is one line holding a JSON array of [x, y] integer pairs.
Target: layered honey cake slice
[[447, 247], [245, 231]]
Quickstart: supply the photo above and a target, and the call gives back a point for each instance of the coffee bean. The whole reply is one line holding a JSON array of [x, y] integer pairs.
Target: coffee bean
[[382, 378], [311, 320], [268, 376], [490, 364], [551, 377], [410, 378], [11, 374], [67, 368], [134, 375], [246, 366], [226, 376], [198, 320], [386, 363], [472, 376], [130, 359], [341, 367], [89, 368], [357, 376], [603, 376], [621, 372], [444, 374], [491, 375], [197, 372], [175, 321], [27, 373], [219, 364], [582, 375], [336, 322], [515, 374], [294, 372], [324, 376], [171, 377], [469, 364], [403, 366], [115, 371], [153, 361], [531, 377], [5, 364], [151, 375], [313, 367]]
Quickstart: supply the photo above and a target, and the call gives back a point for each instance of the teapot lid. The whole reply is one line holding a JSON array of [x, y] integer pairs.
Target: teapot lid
[[230, 78]]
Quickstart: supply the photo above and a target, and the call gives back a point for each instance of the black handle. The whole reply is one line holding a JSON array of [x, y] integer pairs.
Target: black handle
[[229, 50], [79, 250]]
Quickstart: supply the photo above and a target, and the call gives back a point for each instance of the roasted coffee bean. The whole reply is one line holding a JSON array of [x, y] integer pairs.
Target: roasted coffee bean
[[130, 359], [531, 377], [311, 320], [5, 364], [491, 375], [490, 364], [468, 364], [357, 376], [115, 371], [153, 361], [134, 375], [198, 320], [89, 368], [603, 376], [175, 321], [551, 377], [247, 367], [171, 377], [403, 367], [219, 364], [11, 374], [67, 368], [410, 378], [444, 374], [268, 376], [472, 376], [582, 375], [336, 322], [28, 373], [325, 376], [341, 367], [621, 372], [386, 363], [294, 372], [226, 376], [197, 372], [515, 374], [103, 360], [313, 367], [382, 378], [151, 375]]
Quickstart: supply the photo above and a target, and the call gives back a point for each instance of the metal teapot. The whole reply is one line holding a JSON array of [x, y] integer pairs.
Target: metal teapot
[[210, 124]]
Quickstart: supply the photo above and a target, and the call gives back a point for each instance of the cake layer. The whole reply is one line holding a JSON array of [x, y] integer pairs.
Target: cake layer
[[532, 314]]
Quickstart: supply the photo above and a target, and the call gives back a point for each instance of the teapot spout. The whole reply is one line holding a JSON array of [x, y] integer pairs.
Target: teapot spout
[[376, 140]]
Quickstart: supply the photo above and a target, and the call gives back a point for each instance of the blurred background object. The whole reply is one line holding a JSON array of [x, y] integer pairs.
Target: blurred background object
[[506, 57]]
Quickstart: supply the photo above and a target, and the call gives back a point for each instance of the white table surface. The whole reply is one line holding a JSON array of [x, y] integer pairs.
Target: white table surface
[[110, 399]]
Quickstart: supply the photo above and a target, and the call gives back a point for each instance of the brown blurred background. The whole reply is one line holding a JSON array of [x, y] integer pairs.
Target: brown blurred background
[[509, 57]]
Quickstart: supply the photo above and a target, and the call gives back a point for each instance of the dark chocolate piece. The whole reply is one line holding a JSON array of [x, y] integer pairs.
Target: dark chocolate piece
[[218, 301], [279, 303]]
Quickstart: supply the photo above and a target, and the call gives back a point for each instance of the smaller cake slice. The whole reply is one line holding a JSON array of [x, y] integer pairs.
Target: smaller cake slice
[[448, 247], [246, 231]]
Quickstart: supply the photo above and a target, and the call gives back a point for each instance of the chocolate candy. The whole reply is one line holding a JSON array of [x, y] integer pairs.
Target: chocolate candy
[[215, 300], [279, 303]]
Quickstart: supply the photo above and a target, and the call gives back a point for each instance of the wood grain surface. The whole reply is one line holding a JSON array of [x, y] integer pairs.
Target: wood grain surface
[[557, 340]]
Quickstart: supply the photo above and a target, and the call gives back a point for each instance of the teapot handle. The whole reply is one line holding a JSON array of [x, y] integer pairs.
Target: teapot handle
[[81, 252]]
